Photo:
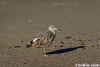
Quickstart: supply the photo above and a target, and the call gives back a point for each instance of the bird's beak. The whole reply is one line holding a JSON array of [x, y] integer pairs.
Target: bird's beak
[[59, 30]]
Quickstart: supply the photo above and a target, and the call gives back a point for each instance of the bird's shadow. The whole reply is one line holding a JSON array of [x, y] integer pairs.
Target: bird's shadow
[[65, 50]]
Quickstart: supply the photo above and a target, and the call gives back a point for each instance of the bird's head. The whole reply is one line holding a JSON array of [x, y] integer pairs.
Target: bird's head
[[53, 28]]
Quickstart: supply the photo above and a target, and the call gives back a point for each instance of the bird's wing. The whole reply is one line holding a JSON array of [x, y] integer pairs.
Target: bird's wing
[[50, 36]]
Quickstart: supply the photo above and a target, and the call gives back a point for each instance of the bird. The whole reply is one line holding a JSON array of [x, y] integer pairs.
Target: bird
[[45, 39]]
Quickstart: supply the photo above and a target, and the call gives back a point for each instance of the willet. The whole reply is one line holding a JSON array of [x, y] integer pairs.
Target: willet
[[45, 39]]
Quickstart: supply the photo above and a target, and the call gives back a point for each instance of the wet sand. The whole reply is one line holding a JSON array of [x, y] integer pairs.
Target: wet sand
[[20, 20]]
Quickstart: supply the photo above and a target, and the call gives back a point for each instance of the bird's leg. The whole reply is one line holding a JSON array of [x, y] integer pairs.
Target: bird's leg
[[44, 51]]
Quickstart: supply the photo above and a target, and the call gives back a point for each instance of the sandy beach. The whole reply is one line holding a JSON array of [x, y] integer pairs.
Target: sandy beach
[[21, 20]]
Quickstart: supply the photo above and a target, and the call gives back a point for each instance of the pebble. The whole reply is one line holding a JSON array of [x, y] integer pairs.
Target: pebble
[[68, 37], [62, 42]]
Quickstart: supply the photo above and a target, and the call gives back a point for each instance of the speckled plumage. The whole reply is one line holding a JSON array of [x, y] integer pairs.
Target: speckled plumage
[[44, 39]]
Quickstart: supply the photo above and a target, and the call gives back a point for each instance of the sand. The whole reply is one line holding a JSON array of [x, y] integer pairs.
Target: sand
[[20, 20]]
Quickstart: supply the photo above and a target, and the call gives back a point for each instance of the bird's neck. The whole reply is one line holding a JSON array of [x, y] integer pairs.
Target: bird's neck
[[53, 32]]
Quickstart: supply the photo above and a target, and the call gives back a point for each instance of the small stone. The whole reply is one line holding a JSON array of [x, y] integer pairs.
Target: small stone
[[28, 46], [25, 63], [68, 37], [55, 46], [61, 46], [17, 46], [21, 41], [98, 45], [62, 42], [9, 47], [93, 46]]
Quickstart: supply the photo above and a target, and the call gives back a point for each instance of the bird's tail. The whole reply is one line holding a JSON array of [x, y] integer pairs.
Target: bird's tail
[[30, 44]]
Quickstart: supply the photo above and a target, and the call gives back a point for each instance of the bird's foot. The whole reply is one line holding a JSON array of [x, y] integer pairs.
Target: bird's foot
[[45, 55]]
